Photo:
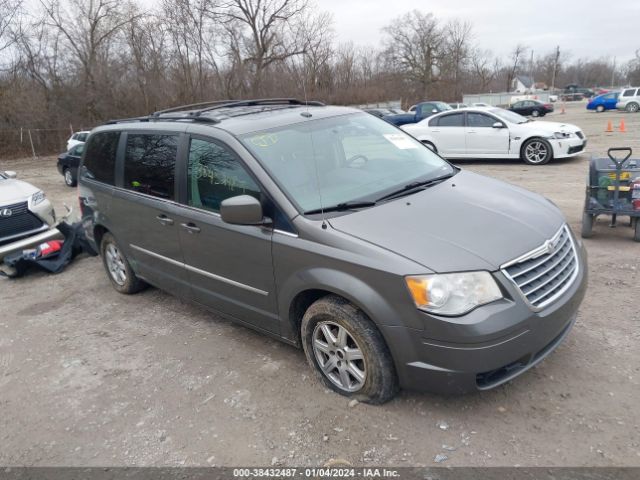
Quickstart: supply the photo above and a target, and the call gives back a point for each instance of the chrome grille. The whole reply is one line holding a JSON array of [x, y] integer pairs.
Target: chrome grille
[[545, 273], [20, 221]]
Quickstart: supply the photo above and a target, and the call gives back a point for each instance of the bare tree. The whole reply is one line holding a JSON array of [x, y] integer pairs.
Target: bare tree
[[415, 47], [269, 37], [458, 50], [9, 12], [87, 28], [516, 58]]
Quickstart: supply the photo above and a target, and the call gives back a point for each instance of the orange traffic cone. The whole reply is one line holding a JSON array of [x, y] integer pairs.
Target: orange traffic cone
[[622, 126], [609, 127]]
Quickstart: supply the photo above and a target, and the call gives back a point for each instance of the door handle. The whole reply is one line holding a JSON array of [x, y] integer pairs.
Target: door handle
[[190, 227], [471, 131], [164, 220]]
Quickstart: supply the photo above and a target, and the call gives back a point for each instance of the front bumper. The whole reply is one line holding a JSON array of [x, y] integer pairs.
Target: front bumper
[[568, 147], [486, 347]]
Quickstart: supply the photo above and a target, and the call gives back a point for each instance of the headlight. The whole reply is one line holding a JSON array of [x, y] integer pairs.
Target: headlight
[[562, 135], [453, 293], [37, 197]]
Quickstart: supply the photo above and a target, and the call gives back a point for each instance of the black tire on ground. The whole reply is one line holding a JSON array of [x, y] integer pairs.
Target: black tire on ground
[[127, 282], [632, 107], [430, 146], [69, 178], [587, 225], [636, 231], [380, 382], [536, 151], [600, 108]]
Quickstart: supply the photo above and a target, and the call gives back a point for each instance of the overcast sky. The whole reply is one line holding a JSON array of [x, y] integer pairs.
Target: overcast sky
[[583, 28]]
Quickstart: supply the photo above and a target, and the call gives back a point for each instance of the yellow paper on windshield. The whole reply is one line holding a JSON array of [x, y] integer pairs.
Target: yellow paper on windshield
[[401, 141]]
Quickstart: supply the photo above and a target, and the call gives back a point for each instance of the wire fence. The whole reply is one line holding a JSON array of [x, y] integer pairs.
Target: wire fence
[[33, 142]]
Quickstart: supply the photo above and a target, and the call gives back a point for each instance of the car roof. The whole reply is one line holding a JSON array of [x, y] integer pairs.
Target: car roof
[[236, 117]]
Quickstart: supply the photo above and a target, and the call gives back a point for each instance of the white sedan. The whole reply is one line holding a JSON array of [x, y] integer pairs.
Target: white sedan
[[497, 133]]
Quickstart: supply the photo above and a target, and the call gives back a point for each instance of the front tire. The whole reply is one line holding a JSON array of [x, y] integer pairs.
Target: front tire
[[120, 273], [535, 113], [347, 352], [536, 151], [600, 108]]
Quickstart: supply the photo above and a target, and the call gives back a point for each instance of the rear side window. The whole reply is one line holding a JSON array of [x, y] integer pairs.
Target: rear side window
[[453, 120], [214, 175], [82, 137], [100, 158], [479, 120], [629, 93], [150, 164]]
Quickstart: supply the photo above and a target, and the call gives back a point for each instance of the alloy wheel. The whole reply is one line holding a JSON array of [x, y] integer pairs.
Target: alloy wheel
[[536, 152], [115, 264], [68, 177], [339, 357]]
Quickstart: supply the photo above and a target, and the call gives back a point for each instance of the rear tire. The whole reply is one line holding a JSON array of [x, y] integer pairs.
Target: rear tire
[[632, 107], [636, 234], [600, 108], [347, 352], [69, 178], [536, 151], [120, 273], [535, 113], [587, 225]]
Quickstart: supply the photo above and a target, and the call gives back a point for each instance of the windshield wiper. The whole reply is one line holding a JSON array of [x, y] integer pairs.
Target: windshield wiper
[[341, 207], [414, 187]]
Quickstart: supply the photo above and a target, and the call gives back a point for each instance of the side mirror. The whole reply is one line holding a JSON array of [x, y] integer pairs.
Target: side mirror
[[242, 210], [498, 125], [11, 174]]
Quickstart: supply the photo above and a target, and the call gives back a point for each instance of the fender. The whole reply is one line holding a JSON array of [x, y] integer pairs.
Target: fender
[[348, 286]]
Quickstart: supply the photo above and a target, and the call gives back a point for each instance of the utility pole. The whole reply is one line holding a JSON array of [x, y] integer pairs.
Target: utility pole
[[613, 72], [555, 68]]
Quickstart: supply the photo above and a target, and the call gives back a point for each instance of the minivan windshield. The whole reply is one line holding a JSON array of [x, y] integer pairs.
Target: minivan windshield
[[349, 159]]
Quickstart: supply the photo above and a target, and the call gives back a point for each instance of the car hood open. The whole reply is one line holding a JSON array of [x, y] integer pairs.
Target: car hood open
[[468, 222]]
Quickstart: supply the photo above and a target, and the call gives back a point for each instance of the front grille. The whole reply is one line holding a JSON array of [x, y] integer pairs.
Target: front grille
[[545, 273], [20, 221], [580, 134], [575, 149]]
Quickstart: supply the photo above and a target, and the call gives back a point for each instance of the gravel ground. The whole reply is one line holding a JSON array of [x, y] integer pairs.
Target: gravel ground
[[91, 377]]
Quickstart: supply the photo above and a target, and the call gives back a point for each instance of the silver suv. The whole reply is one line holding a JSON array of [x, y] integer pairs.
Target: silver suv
[[629, 100], [332, 230]]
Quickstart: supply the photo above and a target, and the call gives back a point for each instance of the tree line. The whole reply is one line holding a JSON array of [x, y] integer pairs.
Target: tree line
[[81, 62]]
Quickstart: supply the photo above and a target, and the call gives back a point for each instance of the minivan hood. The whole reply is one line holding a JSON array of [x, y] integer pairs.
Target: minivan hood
[[469, 222], [14, 191]]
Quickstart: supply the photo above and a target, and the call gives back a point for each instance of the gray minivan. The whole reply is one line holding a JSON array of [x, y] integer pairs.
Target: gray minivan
[[331, 229]]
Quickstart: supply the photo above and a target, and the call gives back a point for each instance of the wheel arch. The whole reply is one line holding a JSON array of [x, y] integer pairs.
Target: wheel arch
[[321, 282]]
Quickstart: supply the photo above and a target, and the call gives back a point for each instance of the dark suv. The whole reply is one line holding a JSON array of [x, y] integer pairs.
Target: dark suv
[[333, 230]]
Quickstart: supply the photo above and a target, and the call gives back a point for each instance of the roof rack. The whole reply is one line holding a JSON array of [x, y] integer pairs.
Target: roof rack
[[216, 105], [176, 118], [192, 113]]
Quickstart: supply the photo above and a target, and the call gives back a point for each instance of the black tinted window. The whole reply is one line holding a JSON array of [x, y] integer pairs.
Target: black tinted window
[[629, 93], [479, 120], [150, 163], [214, 175], [100, 159], [453, 120]]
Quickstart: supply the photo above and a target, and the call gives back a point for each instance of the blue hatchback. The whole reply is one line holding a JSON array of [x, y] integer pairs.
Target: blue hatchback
[[606, 101]]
